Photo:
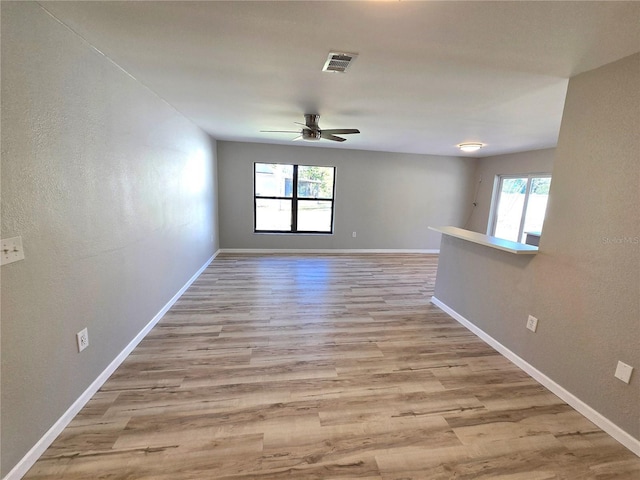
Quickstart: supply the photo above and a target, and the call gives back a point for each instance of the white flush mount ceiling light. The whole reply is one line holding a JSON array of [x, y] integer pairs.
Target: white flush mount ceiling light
[[470, 147]]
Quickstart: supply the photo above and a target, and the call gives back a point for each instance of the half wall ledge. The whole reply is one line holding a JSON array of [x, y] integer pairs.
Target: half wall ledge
[[487, 240]]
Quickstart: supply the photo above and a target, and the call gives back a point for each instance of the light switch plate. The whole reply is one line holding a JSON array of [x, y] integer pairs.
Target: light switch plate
[[623, 372], [11, 250]]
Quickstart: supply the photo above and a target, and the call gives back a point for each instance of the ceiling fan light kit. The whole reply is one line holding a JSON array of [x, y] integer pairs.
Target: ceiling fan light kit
[[470, 147]]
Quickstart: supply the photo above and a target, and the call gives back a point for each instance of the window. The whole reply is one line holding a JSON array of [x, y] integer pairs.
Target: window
[[519, 205], [293, 198]]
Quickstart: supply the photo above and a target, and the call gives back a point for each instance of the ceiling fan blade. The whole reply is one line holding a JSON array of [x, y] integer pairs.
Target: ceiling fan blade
[[279, 131], [341, 131], [328, 136], [306, 127]]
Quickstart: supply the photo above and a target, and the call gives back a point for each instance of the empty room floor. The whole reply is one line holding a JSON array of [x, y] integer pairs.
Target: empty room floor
[[324, 367]]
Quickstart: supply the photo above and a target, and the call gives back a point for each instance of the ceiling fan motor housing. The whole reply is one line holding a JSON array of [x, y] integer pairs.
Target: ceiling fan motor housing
[[311, 135]]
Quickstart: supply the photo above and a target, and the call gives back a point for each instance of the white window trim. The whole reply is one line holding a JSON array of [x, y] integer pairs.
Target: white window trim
[[495, 198]]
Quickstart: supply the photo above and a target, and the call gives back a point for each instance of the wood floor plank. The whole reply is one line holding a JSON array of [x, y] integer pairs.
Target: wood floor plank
[[324, 367]]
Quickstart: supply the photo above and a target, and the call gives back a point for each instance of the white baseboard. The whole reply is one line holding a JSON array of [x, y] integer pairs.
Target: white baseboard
[[23, 466], [600, 420], [328, 250]]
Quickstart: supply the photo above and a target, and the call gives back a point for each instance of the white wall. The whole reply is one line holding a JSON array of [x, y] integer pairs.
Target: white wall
[[114, 195], [389, 199], [584, 284]]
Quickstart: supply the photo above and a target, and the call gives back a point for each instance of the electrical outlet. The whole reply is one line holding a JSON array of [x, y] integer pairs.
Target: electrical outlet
[[82, 337], [532, 323], [11, 250], [353, 234], [623, 372]]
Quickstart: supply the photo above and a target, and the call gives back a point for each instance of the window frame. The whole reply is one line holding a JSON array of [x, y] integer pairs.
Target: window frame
[[495, 200], [294, 199]]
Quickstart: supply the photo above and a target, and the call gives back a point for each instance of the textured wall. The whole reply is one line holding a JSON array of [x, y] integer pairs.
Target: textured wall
[[535, 161], [389, 199], [113, 193], [584, 284]]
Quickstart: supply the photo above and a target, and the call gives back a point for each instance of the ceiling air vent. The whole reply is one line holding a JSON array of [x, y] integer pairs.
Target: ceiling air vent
[[339, 62]]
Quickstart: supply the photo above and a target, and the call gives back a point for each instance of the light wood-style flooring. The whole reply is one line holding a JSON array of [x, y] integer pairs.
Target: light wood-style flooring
[[324, 367]]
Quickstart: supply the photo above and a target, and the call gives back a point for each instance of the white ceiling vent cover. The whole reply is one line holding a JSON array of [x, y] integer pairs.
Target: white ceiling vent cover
[[338, 62]]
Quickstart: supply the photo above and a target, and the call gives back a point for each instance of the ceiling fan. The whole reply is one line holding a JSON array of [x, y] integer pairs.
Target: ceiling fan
[[312, 132]]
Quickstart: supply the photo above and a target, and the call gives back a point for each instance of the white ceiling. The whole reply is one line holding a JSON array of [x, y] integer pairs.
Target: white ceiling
[[429, 74]]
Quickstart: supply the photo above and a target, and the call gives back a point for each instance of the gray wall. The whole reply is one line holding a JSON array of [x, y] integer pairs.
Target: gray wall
[[389, 199], [106, 184], [535, 161], [584, 284]]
